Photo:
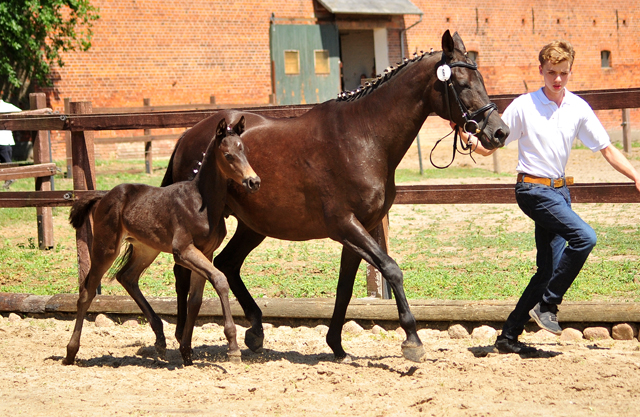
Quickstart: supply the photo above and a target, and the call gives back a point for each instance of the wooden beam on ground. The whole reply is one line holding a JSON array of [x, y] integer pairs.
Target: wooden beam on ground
[[28, 171], [365, 309]]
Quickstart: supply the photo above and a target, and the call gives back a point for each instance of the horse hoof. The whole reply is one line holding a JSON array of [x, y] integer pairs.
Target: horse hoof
[[187, 361], [414, 353], [161, 351], [253, 341], [235, 357], [67, 361], [345, 359]]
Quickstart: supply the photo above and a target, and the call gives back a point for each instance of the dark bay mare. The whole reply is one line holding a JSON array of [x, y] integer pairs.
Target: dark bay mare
[[330, 173], [185, 219]]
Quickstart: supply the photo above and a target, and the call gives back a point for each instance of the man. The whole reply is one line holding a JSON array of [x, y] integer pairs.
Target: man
[[544, 123], [6, 136]]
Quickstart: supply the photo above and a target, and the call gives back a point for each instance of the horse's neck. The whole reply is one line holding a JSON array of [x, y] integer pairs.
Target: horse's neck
[[211, 184], [396, 111]]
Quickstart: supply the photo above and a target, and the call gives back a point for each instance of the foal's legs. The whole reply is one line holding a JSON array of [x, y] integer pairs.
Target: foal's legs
[[229, 261], [195, 260], [129, 275], [100, 263], [354, 236]]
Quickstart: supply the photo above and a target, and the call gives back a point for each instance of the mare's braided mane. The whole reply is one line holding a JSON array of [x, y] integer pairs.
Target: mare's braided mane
[[380, 79]]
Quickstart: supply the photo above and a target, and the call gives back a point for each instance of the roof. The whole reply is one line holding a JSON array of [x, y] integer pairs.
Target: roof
[[371, 6]]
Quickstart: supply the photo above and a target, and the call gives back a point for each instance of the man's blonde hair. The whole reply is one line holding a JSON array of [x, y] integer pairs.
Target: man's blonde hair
[[557, 52]]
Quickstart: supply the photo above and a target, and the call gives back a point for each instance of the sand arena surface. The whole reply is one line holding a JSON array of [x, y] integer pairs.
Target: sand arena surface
[[118, 374]]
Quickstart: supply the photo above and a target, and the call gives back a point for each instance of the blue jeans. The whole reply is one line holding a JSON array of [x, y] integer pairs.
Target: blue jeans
[[563, 242]]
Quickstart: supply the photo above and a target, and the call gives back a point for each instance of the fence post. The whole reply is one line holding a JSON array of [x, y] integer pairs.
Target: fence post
[[377, 286], [67, 141], [496, 162], [626, 130], [148, 156], [42, 155], [84, 178]]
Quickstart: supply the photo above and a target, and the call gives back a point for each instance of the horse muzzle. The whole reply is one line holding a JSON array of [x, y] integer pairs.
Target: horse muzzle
[[251, 184]]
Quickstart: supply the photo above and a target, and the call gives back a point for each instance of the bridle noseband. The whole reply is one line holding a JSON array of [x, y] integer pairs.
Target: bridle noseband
[[471, 126], [445, 75]]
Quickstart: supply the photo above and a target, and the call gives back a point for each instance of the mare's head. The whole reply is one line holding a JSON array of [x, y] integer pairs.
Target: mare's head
[[231, 158], [463, 95]]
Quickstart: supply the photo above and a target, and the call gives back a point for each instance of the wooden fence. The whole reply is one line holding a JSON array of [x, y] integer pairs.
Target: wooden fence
[[81, 123]]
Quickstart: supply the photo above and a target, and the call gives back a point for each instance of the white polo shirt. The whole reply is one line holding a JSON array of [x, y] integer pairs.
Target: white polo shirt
[[545, 132], [6, 136]]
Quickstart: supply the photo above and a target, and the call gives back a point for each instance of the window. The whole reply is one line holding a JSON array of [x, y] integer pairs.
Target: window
[[322, 61], [605, 59], [473, 55], [291, 62]]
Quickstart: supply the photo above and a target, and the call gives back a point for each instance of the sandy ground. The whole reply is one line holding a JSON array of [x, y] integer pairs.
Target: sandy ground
[[118, 374]]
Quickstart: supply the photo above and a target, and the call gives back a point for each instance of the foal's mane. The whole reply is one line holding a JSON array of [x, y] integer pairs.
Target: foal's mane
[[389, 73]]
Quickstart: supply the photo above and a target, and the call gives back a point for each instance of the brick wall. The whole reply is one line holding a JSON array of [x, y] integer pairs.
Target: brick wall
[[177, 52]]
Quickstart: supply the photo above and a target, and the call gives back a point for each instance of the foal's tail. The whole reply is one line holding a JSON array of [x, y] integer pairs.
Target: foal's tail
[[82, 208]]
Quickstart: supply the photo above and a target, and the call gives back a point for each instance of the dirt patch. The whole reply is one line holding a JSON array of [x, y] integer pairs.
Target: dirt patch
[[117, 374]]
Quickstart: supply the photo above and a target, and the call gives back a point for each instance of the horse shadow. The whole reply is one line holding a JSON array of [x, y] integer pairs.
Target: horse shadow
[[215, 356], [485, 351]]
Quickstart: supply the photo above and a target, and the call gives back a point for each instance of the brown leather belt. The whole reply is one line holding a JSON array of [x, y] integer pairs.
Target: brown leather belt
[[549, 182]]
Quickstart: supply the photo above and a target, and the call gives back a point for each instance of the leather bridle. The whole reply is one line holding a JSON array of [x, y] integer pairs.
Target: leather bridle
[[471, 126]]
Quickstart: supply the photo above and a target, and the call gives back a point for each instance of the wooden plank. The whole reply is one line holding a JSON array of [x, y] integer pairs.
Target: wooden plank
[[364, 309], [406, 194], [129, 139], [504, 193], [17, 199], [42, 155], [28, 171], [84, 178]]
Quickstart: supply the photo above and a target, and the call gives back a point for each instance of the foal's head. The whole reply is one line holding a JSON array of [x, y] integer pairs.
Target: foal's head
[[231, 158]]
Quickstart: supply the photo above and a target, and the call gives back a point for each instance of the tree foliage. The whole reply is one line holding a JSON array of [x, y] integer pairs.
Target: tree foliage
[[33, 36]]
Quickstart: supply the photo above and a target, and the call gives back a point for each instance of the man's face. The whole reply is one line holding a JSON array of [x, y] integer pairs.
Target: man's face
[[555, 76]]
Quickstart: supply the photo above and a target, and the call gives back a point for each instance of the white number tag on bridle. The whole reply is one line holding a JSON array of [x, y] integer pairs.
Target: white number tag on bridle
[[444, 72]]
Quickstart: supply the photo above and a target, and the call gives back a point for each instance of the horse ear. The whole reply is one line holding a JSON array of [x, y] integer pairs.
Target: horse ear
[[447, 44], [459, 45], [221, 129], [239, 127]]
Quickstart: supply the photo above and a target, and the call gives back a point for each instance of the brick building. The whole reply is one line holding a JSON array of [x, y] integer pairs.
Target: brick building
[[183, 52]]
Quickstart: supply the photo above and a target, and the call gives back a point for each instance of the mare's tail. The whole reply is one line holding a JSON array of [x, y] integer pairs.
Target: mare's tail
[[82, 208]]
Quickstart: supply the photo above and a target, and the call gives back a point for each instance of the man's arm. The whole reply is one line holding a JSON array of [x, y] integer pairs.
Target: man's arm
[[621, 164], [45, 110]]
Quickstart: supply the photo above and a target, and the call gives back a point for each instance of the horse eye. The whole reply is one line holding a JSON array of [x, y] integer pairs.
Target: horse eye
[[228, 156]]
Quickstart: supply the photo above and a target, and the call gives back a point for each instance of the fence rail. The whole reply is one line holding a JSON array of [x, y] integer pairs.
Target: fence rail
[[81, 123]]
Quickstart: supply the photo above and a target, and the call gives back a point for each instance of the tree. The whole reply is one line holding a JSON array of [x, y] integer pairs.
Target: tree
[[33, 35]]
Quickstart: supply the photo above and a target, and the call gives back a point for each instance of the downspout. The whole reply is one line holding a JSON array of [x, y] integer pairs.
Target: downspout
[[402, 42], [403, 36]]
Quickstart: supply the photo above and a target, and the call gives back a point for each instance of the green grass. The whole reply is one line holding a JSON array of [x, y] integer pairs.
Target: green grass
[[455, 252]]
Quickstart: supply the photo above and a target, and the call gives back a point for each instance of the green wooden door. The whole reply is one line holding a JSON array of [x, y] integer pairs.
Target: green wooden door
[[305, 63]]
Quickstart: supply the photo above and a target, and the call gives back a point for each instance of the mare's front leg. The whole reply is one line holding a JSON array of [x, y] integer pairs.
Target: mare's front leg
[[229, 261], [195, 260], [354, 236]]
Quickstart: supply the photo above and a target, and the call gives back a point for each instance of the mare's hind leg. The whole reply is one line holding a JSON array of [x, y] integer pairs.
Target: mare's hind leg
[[349, 263], [353, 236], [139, 259], [229, 261], [195, 260], [100, 263]]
